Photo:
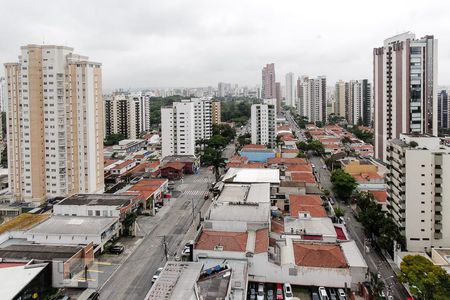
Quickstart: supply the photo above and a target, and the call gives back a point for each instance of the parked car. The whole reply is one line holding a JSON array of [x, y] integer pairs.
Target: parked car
[[280, 291], [116, 249], [333, 295], [288, 295], [315, 296], [270, 295], [186, 250], [260, 295], [93, 296], [156, 275], [341, 294], [252, 291], [323, 294]]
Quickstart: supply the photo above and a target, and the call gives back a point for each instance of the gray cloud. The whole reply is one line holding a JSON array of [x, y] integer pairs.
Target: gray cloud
[[198, 43]]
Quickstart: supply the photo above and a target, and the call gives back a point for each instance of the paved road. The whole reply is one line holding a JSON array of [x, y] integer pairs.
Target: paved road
[[296, 129], [132, 280]]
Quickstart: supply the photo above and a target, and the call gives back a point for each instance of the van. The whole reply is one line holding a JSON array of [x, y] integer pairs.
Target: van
[[323, 294]]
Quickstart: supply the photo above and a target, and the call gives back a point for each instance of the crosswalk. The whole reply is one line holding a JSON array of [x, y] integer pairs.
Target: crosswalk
[[193, 193]]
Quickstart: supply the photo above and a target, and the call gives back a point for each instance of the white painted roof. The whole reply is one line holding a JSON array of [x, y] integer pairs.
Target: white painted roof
[[14, 279], [239, 175], [352, 254]]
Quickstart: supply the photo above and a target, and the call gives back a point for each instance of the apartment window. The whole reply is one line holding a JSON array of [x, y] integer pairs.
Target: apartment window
[[422, 193], [422, 221], [423, 175], [414, 239], [423, 166], [422, 183]]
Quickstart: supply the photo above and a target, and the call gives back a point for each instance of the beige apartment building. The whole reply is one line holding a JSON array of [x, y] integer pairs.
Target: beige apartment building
[[216, 112], [55, 124]]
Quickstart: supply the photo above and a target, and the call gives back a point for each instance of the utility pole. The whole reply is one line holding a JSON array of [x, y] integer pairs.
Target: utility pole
[[193, 213], [165, 247]]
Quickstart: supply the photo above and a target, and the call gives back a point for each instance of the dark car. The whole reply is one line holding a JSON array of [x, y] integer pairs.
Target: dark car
[[94, 296], [116, 249]]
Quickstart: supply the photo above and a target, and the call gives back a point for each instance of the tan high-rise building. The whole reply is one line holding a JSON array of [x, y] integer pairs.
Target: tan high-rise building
[[216, 119], [268, 82], [55, 124]]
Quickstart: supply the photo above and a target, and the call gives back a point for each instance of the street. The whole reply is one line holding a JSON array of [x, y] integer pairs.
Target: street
[[132, 280], [377, 263]]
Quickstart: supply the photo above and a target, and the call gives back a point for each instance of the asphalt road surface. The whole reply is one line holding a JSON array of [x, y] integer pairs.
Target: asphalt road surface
[[132, 280]]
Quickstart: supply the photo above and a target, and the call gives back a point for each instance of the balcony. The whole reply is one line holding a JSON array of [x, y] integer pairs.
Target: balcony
[[438, 190], [437, 235], [438, 171], [437, 226], [438, 217], [438, 180], [438, 208]]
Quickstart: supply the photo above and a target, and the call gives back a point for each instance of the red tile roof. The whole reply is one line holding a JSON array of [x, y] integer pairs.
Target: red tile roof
[[232, 241], [238, 159], [366, 177], [286, 161], [319, 255], [299, 168], [286, 138], [253, 165], [316, 211], [262, 241], [124, 164], [306, 199], [289, 150], [254, 146], [174, 165], [380, 196], [303, 177], [277, 226]]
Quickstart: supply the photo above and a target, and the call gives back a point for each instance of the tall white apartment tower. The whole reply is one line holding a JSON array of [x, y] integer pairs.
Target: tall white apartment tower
[[264, 123], [55, 124], [313, 98], [291, 90], [183, 124], [405, 88], [417, 196]]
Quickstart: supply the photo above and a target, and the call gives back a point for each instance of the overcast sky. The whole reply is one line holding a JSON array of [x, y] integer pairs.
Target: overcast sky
[[170, 43]]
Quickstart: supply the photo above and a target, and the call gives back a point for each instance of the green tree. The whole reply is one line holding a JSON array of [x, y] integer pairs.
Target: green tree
[[377, 286], [217, 142], [316, 146], [343, 184], [244, 139], [213, 157], [301, 154], [303, 146], [224, 130], [338, 212], [113, 139], [128, 221], [319, 124], [413, 144], [426, 280], [346, 140]]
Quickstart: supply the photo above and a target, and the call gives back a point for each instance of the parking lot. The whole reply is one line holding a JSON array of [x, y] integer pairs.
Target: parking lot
[[298, 292]]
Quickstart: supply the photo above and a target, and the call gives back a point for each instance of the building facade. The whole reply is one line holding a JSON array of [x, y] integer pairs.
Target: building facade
[[353, 101], [405, 88], [313, 98], [55, 124], [216, 112], [127, 114], [443, 120], [416, 193], [264, 123], [268, 82], [291, 90], [185, 123]]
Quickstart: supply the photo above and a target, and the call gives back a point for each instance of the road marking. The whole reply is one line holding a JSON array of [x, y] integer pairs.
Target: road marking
[[103, 263], [96, 271], [86, 279]]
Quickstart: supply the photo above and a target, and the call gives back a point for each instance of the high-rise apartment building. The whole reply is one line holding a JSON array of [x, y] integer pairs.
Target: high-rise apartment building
[[291, 90], [216, 112], [268, 82], [443, 107], [127, 114], [264, 123], [340, 98], [2, 94], [278, 96], [221, 92], [183, 124], [313, 98], [417, 197], [405, 88], [55, 124]]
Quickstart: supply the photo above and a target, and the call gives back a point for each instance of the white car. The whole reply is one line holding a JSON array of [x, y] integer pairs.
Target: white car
[[186, 251], [288, 295], [260, 294], [156, 276]]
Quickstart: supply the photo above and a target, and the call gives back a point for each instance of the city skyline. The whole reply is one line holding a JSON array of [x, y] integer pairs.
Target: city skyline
[[202, 48]]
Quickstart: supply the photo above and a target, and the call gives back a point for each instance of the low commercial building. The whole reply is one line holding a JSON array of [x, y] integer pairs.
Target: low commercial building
[[73, 230], [191, 162], [104, 205], [65, 262]]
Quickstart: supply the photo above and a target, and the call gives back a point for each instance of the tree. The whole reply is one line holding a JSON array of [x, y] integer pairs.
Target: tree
[[346, 140], [343, 184], [128, 221], [377, 286], [244, 139], [316, 146], [217, 142], [426, 280], [338, 212], [113, 139], [303, 146], [319, 123], [413, 144], [301, 154], [224, 130], [213, 157]]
